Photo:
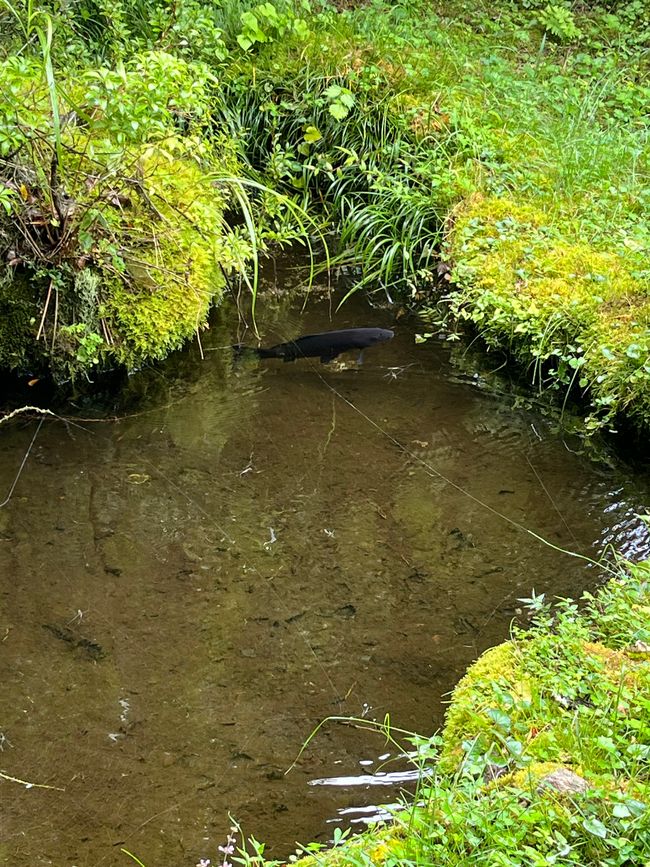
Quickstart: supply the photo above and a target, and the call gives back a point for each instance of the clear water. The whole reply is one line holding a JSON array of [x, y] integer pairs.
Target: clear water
[[188, 591]]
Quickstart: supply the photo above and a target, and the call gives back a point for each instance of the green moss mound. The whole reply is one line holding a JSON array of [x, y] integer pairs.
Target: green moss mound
[[576, 316], [112, 222], [174, 260]]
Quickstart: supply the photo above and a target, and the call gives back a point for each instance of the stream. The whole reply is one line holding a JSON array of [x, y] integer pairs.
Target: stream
[[186, 592]]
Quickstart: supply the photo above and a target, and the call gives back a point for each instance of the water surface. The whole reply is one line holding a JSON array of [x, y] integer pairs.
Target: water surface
[[188, 591]]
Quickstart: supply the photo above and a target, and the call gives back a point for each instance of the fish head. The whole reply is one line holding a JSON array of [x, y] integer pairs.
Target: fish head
[[381, 334]]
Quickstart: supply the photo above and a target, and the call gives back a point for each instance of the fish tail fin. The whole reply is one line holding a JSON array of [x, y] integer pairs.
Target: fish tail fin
[[240, 350]]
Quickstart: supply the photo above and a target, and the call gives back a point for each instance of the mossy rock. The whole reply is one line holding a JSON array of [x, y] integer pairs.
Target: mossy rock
[[530, 777], [577, 316]]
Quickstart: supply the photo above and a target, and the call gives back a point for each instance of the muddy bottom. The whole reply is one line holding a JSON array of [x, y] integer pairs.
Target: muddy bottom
[[188, 591]]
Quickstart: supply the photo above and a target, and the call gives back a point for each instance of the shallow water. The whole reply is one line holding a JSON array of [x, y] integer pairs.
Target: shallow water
[[187, 592]]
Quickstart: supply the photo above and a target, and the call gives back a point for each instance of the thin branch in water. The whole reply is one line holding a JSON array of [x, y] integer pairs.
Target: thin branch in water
[[29, 785], [22, 465], [23, 409]]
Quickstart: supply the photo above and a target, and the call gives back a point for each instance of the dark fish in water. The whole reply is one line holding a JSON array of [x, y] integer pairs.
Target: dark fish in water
[[326, 346]]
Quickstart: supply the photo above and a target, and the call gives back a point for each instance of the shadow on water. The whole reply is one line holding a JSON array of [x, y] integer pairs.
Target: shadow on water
[[187, 592]]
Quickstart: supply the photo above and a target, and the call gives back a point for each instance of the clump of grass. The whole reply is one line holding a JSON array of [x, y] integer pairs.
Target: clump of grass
[[347, 142]]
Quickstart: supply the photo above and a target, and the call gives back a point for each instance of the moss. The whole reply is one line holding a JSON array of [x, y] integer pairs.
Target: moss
[[528, 778], [18, 326], [130, 266], [173, 254], [151, 268], [616, 663], [574, 314], [474, 694]]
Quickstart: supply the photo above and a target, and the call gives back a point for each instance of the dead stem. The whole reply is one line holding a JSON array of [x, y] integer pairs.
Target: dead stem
[[47, 304], [29, 785]]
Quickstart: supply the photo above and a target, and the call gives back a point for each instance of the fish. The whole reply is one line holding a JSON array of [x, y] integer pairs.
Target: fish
[[327, 345]]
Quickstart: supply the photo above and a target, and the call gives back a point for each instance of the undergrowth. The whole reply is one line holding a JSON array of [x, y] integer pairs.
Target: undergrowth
[[424, 136]]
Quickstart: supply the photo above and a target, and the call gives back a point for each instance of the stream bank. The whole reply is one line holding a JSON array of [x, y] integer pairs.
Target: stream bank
[[543, 757]]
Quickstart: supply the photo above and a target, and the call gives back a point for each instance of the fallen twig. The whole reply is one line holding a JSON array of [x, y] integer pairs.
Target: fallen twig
[[29, 785]]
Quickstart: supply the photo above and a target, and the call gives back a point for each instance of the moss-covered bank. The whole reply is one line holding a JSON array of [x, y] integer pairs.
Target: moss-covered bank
[[112, 233], [545, 753], [576, 316]]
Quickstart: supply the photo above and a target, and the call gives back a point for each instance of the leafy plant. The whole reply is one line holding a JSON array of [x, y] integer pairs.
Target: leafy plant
[[559, 22], [266, 23], [341, 100]]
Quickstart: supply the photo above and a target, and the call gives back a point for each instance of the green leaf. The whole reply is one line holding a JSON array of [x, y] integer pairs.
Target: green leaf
[[300, 28], [269, 11], [499, 717], [595, 827], [514, 746], [621, 811], [249, 20], [333, 91], [639, 751], [312, 134], [635, 807], [338, 111]]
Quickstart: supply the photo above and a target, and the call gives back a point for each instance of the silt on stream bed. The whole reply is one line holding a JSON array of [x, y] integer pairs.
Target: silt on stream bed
[[188, 592]]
